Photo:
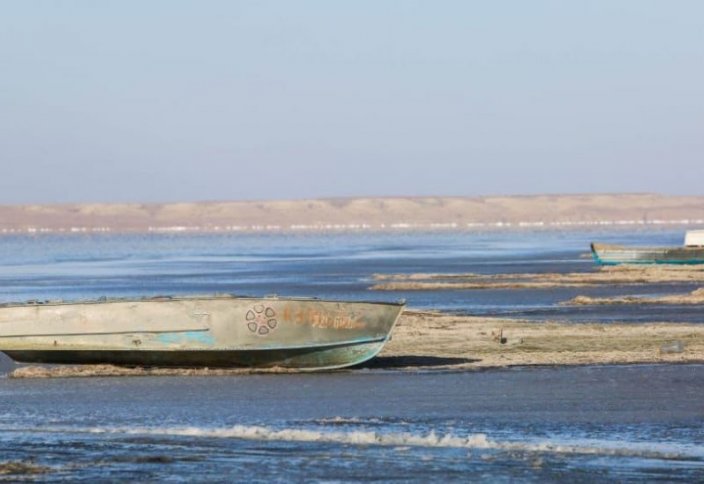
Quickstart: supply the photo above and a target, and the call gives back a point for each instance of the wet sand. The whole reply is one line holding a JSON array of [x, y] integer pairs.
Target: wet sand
[[611, 275], [78, 371], [22, 469], [437, 341]]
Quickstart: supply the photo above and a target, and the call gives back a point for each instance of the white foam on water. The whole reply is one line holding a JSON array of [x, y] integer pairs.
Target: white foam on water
[[477, 441]]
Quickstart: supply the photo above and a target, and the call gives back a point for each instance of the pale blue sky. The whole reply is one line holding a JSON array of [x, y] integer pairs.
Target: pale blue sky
[[206, 100]]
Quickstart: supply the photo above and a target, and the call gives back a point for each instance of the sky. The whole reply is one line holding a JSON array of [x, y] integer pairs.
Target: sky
[[166, 101]]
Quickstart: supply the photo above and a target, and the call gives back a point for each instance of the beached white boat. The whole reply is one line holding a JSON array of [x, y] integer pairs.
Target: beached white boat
[[691, 253], [198, 331]]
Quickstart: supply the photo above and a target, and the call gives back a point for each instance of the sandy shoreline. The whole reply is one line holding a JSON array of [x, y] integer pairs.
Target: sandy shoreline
[[609, 275], [695, 297], [437, 341]]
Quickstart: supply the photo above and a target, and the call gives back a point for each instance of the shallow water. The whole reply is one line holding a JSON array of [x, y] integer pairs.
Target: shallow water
[[538, 424], [329, 266], [578, 423]]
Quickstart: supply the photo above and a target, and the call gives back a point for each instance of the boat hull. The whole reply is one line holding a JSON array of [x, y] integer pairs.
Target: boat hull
[[607, 254], [199, 332]]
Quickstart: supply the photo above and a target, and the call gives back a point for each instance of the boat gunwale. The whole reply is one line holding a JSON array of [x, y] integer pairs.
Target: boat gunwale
[[166, 299], [598, 246]]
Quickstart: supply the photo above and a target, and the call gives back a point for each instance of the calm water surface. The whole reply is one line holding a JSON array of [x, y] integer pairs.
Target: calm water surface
[[539, 424], [333, 266]]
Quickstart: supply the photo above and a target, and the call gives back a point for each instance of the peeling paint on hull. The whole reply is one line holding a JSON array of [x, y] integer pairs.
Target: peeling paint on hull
[[217, 331], [607, 254]]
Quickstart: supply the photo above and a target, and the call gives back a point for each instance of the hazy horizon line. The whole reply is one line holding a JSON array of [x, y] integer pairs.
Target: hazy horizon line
[[355, 197]]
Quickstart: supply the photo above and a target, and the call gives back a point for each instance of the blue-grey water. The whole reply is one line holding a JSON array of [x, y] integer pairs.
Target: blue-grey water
[[538, 424]]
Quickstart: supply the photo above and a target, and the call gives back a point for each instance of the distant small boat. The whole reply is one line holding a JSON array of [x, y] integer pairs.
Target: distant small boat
[[198, 331], [691, 253]]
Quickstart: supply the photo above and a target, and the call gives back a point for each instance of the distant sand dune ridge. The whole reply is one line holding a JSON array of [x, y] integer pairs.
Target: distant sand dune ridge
[[353, 214]]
